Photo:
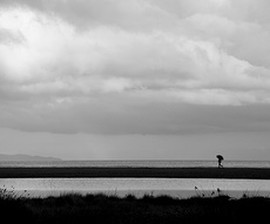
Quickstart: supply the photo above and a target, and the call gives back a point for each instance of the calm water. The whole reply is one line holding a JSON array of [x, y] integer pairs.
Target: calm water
[[138, 186], [137, 163]]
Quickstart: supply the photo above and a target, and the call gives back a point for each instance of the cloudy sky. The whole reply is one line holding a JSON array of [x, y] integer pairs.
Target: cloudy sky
[[135, 79]]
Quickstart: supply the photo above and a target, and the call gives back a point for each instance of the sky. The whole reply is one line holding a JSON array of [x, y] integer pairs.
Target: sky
[[135, 79]]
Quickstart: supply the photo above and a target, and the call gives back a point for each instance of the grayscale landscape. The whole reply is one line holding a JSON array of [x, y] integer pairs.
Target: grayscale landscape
[[134, 111]]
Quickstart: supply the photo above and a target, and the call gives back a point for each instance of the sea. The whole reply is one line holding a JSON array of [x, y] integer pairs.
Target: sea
[[135, 163], [175, 187]]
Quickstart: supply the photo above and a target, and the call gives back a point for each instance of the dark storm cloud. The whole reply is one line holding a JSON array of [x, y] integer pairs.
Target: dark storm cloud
[[117, 116]]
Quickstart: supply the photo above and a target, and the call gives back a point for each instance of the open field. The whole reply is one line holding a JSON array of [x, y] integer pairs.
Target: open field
[[129, 210], [121, 172]]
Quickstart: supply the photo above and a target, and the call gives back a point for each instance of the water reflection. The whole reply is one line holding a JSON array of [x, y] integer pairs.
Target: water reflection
[[137, 186]]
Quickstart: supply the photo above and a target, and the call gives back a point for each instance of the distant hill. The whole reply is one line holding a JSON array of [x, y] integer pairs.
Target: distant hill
[[23, 157]]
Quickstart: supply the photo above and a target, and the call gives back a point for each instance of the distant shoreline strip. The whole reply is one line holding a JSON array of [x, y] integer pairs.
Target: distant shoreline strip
[[119, 172]]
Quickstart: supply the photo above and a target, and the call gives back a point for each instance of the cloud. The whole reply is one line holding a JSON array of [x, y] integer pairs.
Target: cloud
[[103, 62], [7, 37]]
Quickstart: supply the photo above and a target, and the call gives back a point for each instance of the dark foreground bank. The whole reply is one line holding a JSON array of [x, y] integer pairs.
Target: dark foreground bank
[[111, 209], [121, 172]]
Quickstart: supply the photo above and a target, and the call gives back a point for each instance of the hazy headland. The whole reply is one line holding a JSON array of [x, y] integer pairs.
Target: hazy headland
[[25, 158]]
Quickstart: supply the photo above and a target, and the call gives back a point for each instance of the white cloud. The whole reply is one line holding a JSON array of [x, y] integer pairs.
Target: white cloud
[[72, 56]]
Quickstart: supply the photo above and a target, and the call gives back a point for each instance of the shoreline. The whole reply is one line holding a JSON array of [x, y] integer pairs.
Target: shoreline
[[127, 172]]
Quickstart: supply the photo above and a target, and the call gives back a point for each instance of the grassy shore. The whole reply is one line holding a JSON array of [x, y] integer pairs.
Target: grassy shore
[[73, 172], [129, 210]]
